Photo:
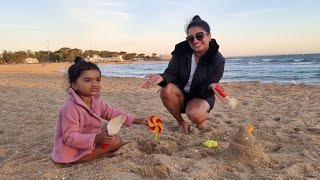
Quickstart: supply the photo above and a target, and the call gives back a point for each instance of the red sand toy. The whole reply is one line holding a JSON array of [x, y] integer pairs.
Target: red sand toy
[[221, 94]]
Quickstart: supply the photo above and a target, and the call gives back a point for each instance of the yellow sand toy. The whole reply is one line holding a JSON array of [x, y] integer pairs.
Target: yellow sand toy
[[210, 143]]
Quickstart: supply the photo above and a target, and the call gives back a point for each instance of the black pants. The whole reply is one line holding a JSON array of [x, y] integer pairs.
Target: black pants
[[187, 98]]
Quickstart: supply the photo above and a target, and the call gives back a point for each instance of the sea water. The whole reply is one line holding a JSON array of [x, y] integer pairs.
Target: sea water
[[303, 68]]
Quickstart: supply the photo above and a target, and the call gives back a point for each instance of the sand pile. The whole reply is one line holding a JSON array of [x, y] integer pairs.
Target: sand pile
[[245, 148]]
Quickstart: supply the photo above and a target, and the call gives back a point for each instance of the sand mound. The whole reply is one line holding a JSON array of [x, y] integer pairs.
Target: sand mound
[[246, 149], [164, 147]]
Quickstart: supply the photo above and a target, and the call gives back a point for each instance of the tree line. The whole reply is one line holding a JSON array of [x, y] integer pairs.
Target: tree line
[[66, 54]]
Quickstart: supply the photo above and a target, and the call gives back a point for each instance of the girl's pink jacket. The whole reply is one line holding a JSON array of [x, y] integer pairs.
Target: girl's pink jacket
[[78, 125]]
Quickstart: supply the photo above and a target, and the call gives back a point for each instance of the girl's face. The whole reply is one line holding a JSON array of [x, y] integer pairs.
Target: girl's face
[[198, 39], [88, 83]]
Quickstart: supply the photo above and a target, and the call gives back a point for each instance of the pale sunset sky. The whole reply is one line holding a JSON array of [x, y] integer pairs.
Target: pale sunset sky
[[241, 27]]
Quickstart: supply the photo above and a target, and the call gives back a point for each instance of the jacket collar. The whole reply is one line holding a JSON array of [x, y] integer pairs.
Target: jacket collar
[[184, 48], [76, 98]]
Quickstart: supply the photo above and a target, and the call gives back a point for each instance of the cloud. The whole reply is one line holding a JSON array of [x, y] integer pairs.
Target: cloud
[[100, 22], [253, 13], [102, 13]]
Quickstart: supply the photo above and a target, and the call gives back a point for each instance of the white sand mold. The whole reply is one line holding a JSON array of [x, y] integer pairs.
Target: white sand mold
[[233, 102], [115, 124]]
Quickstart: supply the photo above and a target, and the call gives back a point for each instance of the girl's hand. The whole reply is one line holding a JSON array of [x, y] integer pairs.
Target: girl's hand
[[104, 138], [140, 121], [109, 139], [153, 79]]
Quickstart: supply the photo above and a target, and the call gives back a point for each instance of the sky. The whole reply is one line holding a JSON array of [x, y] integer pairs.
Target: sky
[[241, 27]]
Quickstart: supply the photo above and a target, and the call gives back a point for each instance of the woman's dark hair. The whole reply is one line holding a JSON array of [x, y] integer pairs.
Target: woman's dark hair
[[80, 65], [198, 22]]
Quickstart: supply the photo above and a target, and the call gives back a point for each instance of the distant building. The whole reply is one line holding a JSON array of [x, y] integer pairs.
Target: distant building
[[138, 59], [165, 57], [97, 59], [31, 61]]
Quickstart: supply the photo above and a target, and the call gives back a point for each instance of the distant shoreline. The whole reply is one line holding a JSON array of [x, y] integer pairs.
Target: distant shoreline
[[268, 55], [59, 69]]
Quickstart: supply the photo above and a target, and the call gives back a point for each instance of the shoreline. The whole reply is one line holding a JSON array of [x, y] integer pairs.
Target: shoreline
[[55, 69]]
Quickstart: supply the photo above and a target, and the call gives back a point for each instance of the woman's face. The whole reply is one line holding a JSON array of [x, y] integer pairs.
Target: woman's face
[[198, 39], [88, 83]]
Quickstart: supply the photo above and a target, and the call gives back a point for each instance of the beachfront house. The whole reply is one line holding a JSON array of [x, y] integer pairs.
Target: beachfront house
[[97, 59], [165, 57], [31, 61], [138, 59]]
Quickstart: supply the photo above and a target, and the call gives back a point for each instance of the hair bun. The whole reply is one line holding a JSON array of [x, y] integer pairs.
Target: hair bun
[[196, 18], [78, 60]]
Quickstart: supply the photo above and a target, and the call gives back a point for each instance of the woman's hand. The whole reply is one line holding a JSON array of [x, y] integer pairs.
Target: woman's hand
[[220, 95], [153, 79], [212, 86]]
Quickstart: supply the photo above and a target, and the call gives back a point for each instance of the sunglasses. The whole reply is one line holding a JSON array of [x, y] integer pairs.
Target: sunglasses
[[199, 36]]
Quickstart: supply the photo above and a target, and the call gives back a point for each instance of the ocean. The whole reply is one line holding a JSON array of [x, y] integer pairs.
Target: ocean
[[296, 69]]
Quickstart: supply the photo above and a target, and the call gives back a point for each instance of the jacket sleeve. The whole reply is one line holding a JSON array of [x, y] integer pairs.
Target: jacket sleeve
[[169, 74], [107, 112], [71, 130], [217, 74]]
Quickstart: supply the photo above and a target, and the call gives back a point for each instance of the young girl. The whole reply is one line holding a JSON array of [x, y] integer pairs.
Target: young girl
[[79, 133]]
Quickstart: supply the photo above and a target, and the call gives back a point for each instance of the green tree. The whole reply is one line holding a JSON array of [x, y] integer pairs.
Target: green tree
[[55, 57], [114, 54], [42, 56], [141, 56], [88, 53], [30, 54], [122, 53], [20, 56], [7, 57], [104, 54], [72, 54], [154, 55], [129, 56], [64, 52]]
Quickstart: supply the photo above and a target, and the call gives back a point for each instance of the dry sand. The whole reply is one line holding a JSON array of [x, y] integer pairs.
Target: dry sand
[[284, 144]]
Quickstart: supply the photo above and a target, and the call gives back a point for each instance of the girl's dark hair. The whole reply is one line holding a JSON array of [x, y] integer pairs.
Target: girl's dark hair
[[197, 21], [80, 65]]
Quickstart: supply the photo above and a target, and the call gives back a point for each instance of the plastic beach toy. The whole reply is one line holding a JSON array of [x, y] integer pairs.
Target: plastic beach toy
[[249, 128], [156, 126], [225, 98], [210, 143], [113, 127]]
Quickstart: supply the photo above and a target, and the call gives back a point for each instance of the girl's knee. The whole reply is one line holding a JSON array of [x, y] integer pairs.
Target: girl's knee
[[117, 143]]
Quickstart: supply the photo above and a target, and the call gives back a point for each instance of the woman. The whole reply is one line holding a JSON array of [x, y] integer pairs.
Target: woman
[[188, 82]]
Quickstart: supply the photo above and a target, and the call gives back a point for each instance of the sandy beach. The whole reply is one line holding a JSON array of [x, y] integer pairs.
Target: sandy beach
[[284, 143]]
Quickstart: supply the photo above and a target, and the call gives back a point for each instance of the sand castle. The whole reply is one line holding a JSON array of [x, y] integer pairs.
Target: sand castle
[[246, 149]]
